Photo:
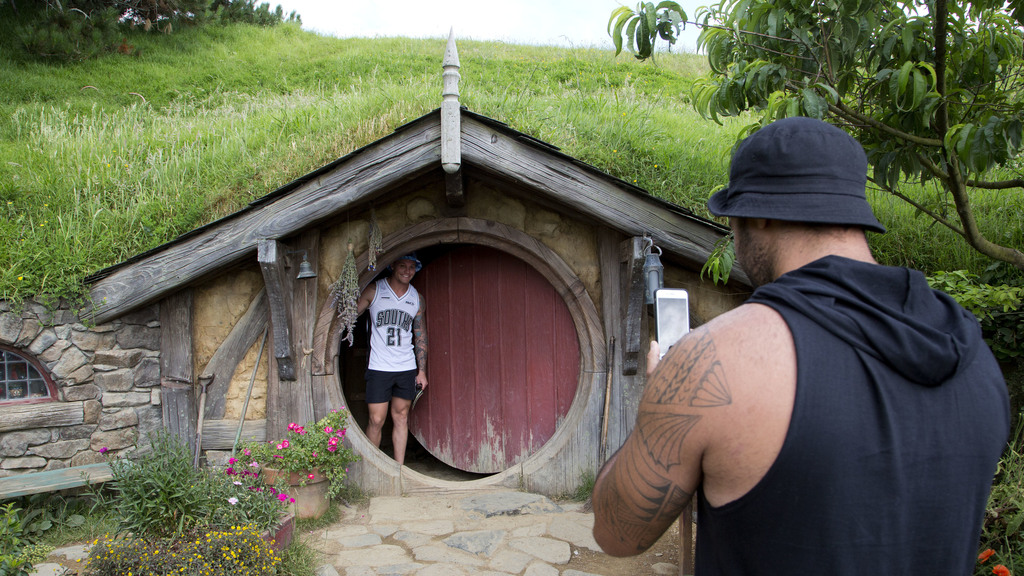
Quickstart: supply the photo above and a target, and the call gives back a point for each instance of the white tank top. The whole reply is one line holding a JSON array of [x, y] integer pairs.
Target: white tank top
[[391, 319]]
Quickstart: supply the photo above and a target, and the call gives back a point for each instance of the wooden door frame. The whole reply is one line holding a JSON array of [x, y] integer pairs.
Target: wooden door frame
[[585, 316]]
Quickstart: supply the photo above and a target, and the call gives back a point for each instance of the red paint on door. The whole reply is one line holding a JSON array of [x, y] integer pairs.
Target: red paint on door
[[503, 366]]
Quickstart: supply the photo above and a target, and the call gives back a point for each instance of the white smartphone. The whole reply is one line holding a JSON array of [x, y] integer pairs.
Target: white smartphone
[[671, 316]]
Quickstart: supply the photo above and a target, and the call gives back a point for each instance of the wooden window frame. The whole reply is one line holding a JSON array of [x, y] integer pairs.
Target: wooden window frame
[[51, 388]]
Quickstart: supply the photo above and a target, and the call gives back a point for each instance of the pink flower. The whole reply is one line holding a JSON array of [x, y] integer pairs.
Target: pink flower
[[291, 500], [311, 476], [283, 497], [314, 454], [232, 460], [329, 430], [254, 464], [247, 452], [332, 448], [230, 471], [292, 425], [104, 450]]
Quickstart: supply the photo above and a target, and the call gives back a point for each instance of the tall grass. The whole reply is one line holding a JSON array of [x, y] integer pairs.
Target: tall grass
[[103, 159]]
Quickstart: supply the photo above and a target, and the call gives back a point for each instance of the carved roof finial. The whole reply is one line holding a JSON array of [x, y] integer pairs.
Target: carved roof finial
[[451, 125]]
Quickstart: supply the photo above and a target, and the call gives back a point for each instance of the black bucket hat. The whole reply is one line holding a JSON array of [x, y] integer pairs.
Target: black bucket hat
[[798, 170]]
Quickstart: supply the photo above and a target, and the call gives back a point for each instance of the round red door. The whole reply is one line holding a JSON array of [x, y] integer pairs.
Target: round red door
[[503, 362]]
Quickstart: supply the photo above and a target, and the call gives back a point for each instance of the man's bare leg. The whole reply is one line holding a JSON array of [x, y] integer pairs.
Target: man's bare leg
[[400, 422], [378, 414]]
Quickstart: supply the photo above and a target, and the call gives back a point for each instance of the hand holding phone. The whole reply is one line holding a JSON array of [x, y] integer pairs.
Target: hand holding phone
[[671, 316]]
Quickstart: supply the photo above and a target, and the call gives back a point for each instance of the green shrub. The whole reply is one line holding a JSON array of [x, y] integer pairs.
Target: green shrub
[[998, 308], [236, 550], [1002, 539], [18, 552], [160, 494]]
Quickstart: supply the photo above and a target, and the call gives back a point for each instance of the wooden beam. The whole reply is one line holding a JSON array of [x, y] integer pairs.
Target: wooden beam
[[271, 255], [177, 372], [383, 165], [634, 311], [220, 434], [589, 193], [47, 414], [225, 360], [454, 190], [54, 480]]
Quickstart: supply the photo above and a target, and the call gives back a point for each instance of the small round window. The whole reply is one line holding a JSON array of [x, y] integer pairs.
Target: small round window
[[22, 380]]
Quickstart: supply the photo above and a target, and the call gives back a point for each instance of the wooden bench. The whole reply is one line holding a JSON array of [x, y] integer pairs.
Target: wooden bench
[[54, 480]]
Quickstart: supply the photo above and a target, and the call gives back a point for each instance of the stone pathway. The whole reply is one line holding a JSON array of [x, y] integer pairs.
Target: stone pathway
[[486, 533], [491, 533]]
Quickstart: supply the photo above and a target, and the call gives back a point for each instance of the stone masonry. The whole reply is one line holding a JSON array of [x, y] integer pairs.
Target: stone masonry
[[113, 369]]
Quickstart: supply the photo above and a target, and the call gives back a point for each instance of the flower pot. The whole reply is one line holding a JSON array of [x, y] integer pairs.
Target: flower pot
[[280, 537], [310, 494]]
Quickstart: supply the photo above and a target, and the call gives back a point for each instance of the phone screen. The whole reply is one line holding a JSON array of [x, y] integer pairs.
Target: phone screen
[[671, 316]]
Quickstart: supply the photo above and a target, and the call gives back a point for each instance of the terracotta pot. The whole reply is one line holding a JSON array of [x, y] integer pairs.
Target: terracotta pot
[[279, 538], [311, 499]]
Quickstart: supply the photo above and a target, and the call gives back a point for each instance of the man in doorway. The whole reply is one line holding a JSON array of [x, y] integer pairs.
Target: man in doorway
[[846, 420], [398, 351]]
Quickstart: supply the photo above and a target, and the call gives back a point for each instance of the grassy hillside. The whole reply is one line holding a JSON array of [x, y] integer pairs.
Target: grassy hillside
[[102, 159]]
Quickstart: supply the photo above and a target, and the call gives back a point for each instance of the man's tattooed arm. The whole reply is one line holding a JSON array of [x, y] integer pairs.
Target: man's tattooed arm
[[419, 332], [649, 482]]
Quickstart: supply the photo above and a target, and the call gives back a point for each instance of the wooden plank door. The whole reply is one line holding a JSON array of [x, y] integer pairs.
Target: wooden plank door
[[503, 363]]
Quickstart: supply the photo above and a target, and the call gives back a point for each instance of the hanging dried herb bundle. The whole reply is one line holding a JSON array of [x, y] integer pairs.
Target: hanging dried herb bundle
[[345, 292], [376, 240]]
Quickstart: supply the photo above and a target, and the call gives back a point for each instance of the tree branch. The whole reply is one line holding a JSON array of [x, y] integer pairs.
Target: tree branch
[[1002, 185], [847, 113], [931, 213]]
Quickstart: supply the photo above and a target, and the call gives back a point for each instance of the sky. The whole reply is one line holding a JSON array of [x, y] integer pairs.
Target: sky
[[567, 23]]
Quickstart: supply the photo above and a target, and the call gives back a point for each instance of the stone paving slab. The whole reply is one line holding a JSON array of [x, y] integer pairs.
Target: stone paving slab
[[494, 533]]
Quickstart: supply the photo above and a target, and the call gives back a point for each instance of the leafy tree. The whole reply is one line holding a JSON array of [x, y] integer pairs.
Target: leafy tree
[[931, 89]]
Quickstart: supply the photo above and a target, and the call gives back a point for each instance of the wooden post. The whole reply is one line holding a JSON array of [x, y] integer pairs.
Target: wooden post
[[307, 403], [272, 258], [686, 540], [634, 335], [176, 366], [292, 303], [626, 321]]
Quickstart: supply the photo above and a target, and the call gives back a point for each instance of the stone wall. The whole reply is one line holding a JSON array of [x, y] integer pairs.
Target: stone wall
[[111, 370]]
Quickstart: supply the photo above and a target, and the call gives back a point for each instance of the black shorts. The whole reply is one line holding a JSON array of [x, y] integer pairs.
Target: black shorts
[[381, 386]]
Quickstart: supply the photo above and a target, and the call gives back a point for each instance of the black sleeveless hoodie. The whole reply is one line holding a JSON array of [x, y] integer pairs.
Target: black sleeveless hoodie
[[901, 414]]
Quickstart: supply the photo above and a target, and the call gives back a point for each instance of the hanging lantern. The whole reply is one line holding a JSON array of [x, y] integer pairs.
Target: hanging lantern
[[654, 272]]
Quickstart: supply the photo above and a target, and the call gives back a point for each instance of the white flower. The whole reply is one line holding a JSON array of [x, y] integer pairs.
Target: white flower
[[232, 500]]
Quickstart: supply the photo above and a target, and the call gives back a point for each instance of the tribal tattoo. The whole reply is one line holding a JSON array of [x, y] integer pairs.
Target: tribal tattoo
[[644, 489], [419, 333]]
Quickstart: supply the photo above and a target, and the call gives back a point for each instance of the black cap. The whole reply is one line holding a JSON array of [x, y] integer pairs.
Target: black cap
[[798, 170]]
